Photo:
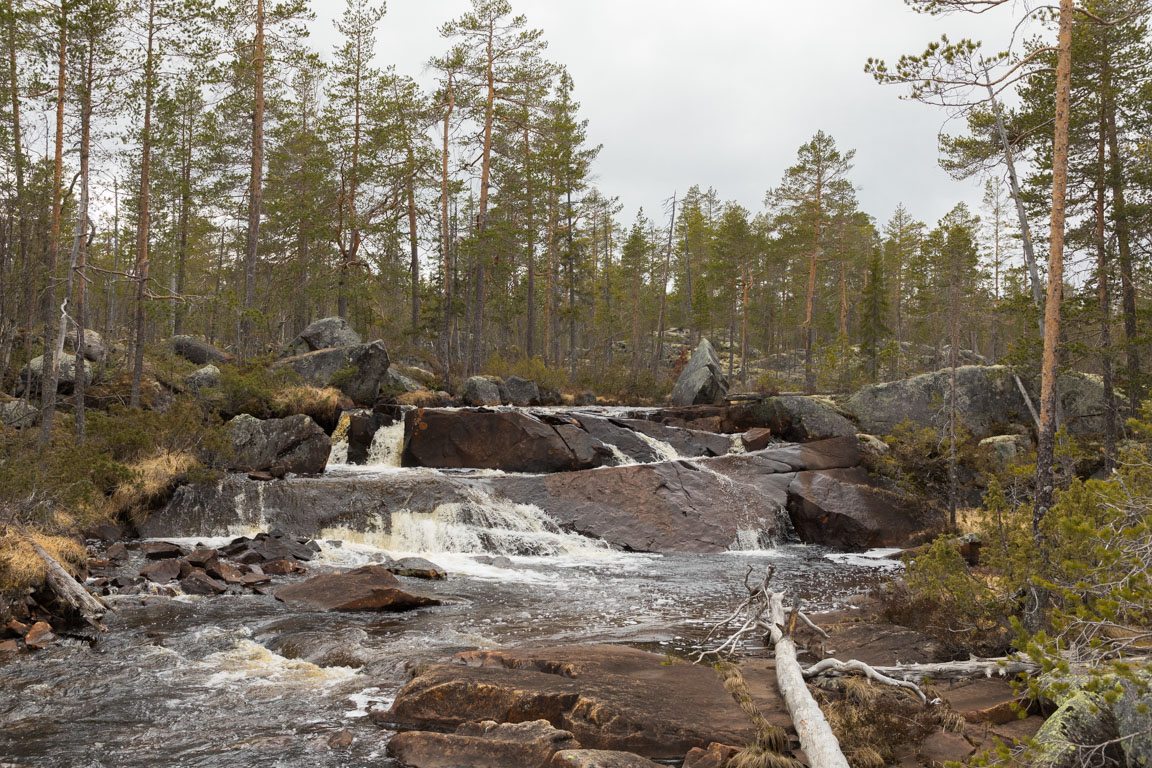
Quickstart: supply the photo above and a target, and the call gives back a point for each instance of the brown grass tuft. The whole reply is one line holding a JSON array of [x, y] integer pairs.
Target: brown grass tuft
[[21, 567], [153, 481], [323, 405]]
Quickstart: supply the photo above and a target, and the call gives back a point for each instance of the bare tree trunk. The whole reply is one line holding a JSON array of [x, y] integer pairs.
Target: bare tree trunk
[[530, 228], [18, 162], [809, 328], [1104, 293], [49, 371], [658, 357], [1046, 442], [143, 212], [255, 189], [413, 242], [445, 234], [82, 219], [182, 225], [477, 341]]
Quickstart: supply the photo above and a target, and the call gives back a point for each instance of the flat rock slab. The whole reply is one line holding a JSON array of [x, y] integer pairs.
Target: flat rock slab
[[862, 635], [368, 588], [483, 745], [599, 758], [985, 700], [608, 697]]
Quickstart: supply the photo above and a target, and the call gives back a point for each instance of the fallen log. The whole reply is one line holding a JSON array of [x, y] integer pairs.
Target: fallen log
[[70, 591], [1007, 666]]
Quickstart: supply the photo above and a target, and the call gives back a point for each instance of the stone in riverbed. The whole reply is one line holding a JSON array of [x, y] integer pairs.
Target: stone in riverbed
[[200, 583], [715, 756], [282, 567], [416, 568], [599, 758], [118, 552], [483, 745], [756, 439], [201, 556], [160, 550], [368, 588], [39, 635], [608, 697], [162, 571]]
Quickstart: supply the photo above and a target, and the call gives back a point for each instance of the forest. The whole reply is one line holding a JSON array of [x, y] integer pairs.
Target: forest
[[279, 321]]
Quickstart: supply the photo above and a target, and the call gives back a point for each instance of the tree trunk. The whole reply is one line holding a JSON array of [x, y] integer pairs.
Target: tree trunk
[[658, 358], [248, 344], [1104, 293], [530, 229], [413, 243], [445, 234], [143, 212], [18, 163], [185, 204], [49, 371], [1046, 440], [809, 328], [477, 342], [82, 219]]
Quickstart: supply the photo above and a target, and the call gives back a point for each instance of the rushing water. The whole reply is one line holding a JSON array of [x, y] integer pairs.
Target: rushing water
[[243, 680]]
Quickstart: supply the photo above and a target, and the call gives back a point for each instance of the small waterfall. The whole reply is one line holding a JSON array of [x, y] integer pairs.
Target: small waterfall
[[737, 444], [339, 453], [663, 451], [387, 445], [480, 524], [622, 459], [250, 518]]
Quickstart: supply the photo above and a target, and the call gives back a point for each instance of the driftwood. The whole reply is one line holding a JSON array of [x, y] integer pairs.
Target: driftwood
[[835, 666], [72, 592], [1007, 666]]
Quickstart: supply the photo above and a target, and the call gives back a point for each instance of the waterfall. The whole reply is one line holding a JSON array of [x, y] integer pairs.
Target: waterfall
[[482, 523], [387, 445], [663, 451]]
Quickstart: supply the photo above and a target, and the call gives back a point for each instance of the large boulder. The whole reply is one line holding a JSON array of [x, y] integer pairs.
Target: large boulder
[[323, 334], [608, 697], [702, 380], [486, 744], [197, 351], [294, 444], [202, 378], [522, 391], [802, 419], [368, 588], [511, 441], [839, 508], [481, 390], [95, 349], [65, 377], [18, 413], [357, 370]]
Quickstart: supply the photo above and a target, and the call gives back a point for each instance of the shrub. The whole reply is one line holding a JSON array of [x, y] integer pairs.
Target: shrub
[[548, 378]]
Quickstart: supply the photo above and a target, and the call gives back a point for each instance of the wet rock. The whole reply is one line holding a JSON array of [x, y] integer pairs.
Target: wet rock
[[197, 351], [19, 414], [702, 380], [160, 550], [201, 556], [625, 439], [522, 392], [294, 444], [323, 334], [943, 747], [65, 378], [608, 697], [511, 441], [839, 508], [417, 568], [341, 739], [362, 428], [224, 571], [688, 443], [162, 571], [39, 635], [9, 647], [95, 349], [756, 439], [715, 756], [599, 758], [368, 588], [253, 579], [496, 562], [358, 370], [103, 532], [16, 628], [483, 745], [202, 378], [481, 390], [200, 583], [282, 567]]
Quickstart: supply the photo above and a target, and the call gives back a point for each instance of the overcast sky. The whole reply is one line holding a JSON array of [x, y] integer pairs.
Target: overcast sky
[[722, 93]]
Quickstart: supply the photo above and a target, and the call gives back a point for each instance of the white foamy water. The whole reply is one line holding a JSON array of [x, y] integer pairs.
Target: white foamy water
[[872, 558], [387, 445], [339, 453], [248, 662], [663, 451]]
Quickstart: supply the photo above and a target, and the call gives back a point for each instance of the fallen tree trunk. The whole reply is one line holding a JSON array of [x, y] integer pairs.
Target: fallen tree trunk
[[918, 673], [68, 589]]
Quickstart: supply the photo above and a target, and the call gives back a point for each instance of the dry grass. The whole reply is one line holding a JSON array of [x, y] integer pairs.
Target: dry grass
[[21, 567], [421, 398], [154, 480], [771, 748], [323, 405]]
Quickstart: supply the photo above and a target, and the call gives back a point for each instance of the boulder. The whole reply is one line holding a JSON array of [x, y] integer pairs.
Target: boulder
[[94, 347], [522, 391], [481, 390], [685, 442], [358, 370], [715, 756], [756, 439], [811, 418], [485, 744], [161, 550], [1001, 448], [416, 568], [39, 635], [608, 697], [323, 334], [162, 571], [599, 758], [394, 381], [199, 583], [839, 508], [18, 414], [202, 378], [293, 444], [196, 351], [511, 441], [368, 588], [702, 380], [66, 374]]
